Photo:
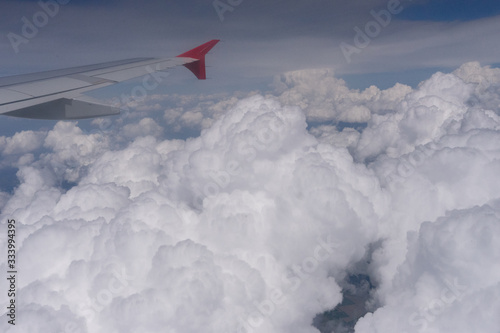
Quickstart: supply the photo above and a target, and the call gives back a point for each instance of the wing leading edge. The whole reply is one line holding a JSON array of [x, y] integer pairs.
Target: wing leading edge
[[57, 94]]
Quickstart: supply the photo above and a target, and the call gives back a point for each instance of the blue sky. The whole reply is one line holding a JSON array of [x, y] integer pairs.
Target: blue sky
[[450, 10], [260, 39]]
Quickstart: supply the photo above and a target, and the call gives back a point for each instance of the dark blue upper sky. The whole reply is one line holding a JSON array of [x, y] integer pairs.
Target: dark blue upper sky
[[451, 10]]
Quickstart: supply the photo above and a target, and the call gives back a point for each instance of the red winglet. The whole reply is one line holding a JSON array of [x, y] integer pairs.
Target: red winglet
[[198, 67]]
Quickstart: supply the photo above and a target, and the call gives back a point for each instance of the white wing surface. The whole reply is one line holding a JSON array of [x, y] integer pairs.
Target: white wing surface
[[57, 94]]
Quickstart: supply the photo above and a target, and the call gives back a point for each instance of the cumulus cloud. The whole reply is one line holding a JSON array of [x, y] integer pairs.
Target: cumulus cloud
[[254, 223], [21, 142], [326, 98], [449, 280]]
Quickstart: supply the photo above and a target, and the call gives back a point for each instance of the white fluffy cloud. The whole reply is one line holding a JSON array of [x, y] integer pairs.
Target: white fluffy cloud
[[21, 142], [253, 225], [326, 98], [450, 279]]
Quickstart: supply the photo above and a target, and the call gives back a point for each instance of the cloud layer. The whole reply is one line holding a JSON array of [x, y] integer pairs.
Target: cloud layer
[[253, 223]]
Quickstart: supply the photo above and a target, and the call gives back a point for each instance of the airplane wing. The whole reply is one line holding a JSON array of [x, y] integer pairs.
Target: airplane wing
[[57, 94]]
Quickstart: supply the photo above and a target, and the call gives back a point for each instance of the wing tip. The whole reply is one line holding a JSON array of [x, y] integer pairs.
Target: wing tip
[[198, 67], [200, 51]]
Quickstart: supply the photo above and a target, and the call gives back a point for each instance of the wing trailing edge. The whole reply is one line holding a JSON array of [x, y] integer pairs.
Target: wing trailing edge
[[65, 108]]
